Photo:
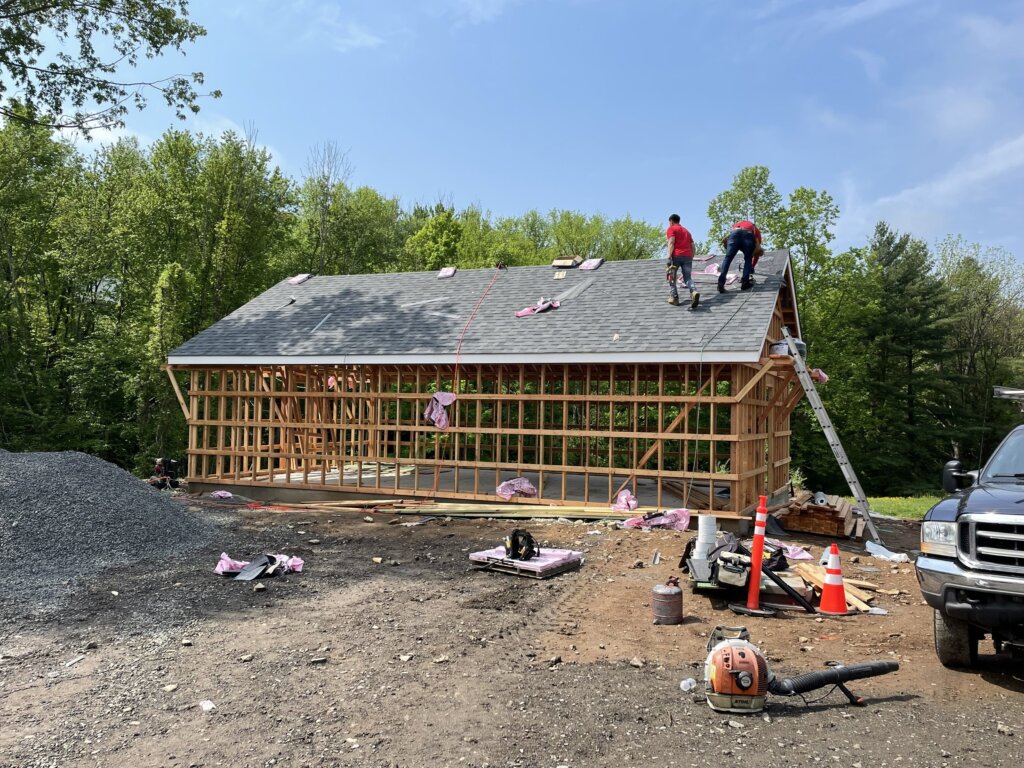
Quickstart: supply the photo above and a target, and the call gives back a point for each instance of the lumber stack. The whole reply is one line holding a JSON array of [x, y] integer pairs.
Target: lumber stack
[[836, 518], [466, 509]]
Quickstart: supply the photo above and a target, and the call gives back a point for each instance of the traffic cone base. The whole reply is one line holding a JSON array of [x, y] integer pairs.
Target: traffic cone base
[[833, 594]]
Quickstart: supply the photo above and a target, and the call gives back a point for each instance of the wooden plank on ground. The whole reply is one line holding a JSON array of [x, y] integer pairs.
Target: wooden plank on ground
[[816, 575]]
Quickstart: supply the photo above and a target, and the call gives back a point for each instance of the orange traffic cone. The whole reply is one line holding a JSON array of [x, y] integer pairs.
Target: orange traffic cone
[[833, 595]]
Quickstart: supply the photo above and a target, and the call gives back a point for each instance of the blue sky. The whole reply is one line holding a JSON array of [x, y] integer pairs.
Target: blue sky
[[906, 110]]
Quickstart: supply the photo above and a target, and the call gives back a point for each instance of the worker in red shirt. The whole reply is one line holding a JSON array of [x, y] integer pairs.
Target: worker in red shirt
[[744, 237], [680, 256]]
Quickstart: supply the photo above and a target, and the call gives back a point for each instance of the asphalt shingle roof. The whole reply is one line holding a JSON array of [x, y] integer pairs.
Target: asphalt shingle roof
[[619, 312]]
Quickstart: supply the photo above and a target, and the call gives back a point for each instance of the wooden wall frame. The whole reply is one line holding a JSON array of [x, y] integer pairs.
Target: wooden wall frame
[[711, 437], [708, 436]]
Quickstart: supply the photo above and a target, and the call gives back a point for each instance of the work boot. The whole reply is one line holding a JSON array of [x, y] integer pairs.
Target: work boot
[[694, 299], [721, 287], [673, 300], [746, 286]]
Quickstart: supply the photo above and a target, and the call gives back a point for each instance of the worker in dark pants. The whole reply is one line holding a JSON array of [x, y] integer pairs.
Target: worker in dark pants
[[680, 256], [744, 237]]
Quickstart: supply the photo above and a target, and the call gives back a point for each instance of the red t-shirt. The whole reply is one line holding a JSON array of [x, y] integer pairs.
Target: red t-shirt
[[684, 240], [749, 225]]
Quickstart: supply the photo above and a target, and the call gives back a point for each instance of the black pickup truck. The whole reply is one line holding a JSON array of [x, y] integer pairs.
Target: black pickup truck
[[971, 568]]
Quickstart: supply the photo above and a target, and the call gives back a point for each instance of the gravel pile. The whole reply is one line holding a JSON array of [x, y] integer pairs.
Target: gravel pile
[[65, 516]]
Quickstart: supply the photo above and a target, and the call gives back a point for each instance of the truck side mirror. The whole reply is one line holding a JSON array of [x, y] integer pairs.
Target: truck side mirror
[[951, 474]]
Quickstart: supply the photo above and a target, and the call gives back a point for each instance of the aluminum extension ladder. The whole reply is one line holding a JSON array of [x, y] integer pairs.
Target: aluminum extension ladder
[[830, 434]]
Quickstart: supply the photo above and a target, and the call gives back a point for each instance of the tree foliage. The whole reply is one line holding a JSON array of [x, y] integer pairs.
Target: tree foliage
[[753, 197], [63, 62]]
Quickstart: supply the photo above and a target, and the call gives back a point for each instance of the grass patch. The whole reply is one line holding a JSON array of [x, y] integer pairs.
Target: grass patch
[[909, 507]]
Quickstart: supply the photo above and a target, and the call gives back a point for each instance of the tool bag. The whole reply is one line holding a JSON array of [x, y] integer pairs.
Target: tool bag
[[520, 545], [731, 569]]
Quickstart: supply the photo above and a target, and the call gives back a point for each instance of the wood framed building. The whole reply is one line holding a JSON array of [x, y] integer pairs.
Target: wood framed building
[[323, 386]]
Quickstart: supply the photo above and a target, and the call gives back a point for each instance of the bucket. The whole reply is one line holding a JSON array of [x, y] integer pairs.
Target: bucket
[[667, 602], [782, 348], [707, 528]]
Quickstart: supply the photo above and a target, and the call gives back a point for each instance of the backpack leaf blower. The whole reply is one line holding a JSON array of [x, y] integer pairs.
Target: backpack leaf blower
[[737, 677]]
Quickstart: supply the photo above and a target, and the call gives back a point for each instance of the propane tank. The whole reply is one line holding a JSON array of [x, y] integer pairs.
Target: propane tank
[[667, 602]]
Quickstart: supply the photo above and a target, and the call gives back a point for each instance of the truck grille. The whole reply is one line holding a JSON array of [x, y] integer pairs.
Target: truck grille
[[993, 542]]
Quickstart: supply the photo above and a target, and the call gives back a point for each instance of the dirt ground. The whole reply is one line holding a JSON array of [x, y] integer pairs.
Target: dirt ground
[[426, 662]]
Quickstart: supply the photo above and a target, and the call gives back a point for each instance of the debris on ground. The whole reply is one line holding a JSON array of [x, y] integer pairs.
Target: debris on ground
[[676, 519], [263, 565], [625, 502], [879, 552]]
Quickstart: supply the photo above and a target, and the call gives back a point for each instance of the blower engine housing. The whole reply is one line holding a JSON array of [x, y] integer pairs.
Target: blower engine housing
[[736, 673]]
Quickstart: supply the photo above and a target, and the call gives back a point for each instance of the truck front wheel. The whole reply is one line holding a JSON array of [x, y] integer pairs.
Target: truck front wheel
[[956, 643]]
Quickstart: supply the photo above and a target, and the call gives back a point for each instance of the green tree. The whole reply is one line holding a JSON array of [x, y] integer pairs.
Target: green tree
[[371, 236], [986, 343], [36, 175], [752, 196], [805, 227], [57, 55], [909, 344], [838, 318], [323, 199], [436, 244], [628, 238], [576, 234]]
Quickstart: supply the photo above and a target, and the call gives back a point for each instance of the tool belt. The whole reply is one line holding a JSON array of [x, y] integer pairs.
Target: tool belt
[[671, 272]]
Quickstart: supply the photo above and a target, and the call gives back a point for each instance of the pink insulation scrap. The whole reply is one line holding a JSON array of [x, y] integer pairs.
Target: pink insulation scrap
[[626, 502], [714, 269], [435, 413], [677, 519], [517, 486], [543, 305], [227, 565]]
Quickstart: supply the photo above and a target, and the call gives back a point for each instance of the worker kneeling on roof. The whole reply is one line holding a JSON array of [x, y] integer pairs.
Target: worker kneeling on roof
[[680, 256], [745, 237]]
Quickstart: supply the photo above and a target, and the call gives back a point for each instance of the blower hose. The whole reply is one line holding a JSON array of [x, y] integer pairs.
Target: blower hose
[[810, 681]]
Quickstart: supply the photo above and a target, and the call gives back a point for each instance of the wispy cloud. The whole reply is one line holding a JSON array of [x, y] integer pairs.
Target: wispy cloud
[[821, 117], [769, 8], [994, 36], [998, 161], [344, 35], [478, 11], [925, 208], [845, 15], [796, 21], [954, 110], [872, 63]]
